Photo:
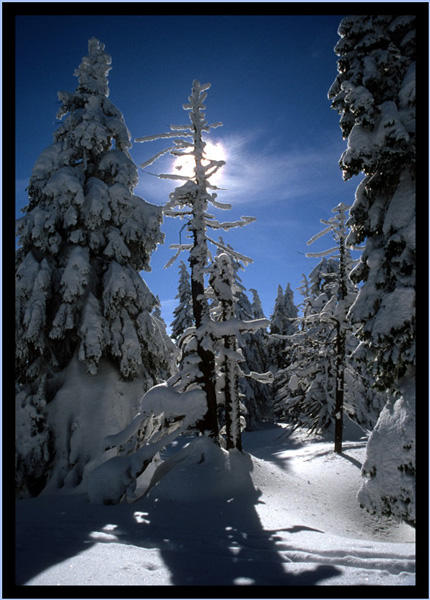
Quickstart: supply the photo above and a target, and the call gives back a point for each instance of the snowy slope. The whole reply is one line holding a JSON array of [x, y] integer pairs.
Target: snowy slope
[[283, 513]]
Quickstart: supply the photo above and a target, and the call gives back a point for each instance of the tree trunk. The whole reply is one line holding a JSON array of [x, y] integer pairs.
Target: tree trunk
[[340, 354], [232, 403], [339, 397], [207, 359]]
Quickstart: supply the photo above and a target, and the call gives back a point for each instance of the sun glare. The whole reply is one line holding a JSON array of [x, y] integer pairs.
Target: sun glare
[[184, 165]]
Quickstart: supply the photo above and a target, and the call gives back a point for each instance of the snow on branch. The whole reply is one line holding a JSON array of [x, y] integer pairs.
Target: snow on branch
[[217, 203], [319, 235], [231, 224], [180, 248], [322, 253], [233, 253], [161, 136], [169, 176], [154, 158], [260, 377]]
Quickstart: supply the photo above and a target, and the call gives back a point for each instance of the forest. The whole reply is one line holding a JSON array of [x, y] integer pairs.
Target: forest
[[112, 403]]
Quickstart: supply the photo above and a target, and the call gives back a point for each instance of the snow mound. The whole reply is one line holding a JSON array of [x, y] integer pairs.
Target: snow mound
[[202, 470]]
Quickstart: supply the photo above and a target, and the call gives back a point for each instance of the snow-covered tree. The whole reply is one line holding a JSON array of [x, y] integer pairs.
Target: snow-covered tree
[[343, 298], [83, 240], [256, 306], [222, 282], [322, 381], [256, 396], [284, 312], [374, 92], [191, 201], [183, 313], [233, 358], [282, 325]]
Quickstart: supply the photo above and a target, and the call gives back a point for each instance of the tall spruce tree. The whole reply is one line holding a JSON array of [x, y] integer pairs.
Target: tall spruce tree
[[80, 300], [374, 92]]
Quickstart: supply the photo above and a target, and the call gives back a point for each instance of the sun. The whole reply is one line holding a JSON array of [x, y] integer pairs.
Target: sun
[[184, 165]]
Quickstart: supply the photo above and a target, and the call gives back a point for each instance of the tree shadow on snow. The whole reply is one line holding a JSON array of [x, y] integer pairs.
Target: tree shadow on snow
[[270, 443], [219, 540], [205, 527]]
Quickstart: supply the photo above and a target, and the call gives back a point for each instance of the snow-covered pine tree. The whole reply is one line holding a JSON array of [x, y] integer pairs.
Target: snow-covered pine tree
[[284, 312], [336, 226], [191, 200], [305, 388], [282, 325], [222, 282], [256, 306], [183, 313], [230, 333], [321, 381], [81, 305], [256, 396], [374, 92]]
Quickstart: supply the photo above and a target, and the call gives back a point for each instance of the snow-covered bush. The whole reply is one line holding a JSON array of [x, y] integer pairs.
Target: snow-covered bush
[[83, 240], [374, 92]]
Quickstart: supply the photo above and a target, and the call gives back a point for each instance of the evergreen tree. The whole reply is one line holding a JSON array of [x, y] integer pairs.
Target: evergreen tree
[[322, 381], [183, 313], [257, 309], [83, 240], [191, 201], [222, 282], [282, 325], [374, 92], [256, 395]]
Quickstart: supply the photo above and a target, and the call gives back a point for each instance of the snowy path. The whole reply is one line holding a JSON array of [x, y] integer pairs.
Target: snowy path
[[284, 514]]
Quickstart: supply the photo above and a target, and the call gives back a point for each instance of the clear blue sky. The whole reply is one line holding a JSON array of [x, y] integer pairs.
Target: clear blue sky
[[270, 76]]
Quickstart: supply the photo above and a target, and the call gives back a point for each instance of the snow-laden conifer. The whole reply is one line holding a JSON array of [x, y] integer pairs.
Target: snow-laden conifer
[[83, 240], [374, 92], [230, 340], [282, 325], [191, 201], [256, 395], [183, 313], [322, 382]]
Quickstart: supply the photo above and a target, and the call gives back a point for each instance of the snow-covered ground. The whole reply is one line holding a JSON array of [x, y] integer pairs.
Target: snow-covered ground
[[282, 513]]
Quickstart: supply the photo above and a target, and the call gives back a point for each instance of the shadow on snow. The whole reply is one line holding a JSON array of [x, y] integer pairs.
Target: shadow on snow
[[203, 540]]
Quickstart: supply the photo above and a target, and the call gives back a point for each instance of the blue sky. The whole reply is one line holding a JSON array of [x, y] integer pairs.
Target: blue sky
[[270, 76]]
